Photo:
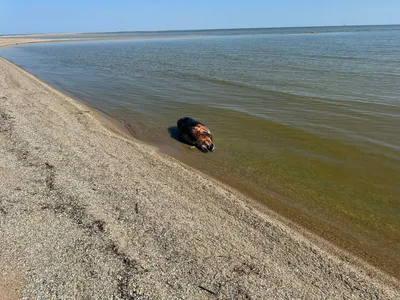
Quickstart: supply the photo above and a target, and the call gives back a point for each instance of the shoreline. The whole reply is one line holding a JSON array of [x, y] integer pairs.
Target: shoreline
[[292, 231], [10, 41]]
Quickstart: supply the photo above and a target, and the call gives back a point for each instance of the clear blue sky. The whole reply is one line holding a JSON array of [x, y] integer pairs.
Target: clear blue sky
[[50, 16]]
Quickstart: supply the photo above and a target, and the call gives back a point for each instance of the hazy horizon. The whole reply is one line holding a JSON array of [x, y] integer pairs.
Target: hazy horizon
[[45, 16], [195, 29]]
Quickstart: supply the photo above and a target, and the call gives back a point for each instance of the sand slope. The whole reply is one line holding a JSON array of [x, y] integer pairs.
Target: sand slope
[[86, 213]]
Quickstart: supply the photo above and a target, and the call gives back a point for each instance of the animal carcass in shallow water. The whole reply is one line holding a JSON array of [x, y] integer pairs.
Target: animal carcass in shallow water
[[196, 134]]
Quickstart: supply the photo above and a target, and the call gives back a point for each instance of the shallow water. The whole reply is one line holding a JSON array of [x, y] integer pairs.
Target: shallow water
[[307, 123]]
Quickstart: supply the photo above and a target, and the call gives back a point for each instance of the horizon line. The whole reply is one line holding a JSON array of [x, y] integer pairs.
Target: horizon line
[[198, 29]]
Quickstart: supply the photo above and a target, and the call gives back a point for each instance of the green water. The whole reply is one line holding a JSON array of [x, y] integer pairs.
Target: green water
[[306, 123]]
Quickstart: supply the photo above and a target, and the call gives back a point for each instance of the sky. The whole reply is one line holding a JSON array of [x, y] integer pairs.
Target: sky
[[60, 16]]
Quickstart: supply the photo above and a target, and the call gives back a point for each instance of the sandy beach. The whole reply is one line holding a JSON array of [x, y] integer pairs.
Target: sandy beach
[[87, 212]]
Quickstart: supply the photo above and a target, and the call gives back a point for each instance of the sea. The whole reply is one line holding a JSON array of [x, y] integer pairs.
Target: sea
[[305, 120]]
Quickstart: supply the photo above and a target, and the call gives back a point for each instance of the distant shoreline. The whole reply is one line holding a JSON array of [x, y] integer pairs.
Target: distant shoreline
[[185, 30], [6, 42], [19, 39]]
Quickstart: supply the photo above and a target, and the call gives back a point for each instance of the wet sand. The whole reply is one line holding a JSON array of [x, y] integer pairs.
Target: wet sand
[[89, 212]]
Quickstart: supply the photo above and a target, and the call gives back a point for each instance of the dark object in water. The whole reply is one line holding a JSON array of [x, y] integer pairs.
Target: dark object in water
[[196, 134]]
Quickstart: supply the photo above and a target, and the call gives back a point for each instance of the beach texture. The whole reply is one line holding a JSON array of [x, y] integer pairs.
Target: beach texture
[[89, 213]]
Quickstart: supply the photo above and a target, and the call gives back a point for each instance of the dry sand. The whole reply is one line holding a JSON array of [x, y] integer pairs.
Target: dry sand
[[89, 213]]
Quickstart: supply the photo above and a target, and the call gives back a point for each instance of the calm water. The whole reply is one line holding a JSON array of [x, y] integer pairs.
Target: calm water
[[307, 123], [218, 32]]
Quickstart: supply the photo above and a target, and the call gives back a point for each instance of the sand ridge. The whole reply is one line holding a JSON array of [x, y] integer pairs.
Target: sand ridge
[[86, 212]]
